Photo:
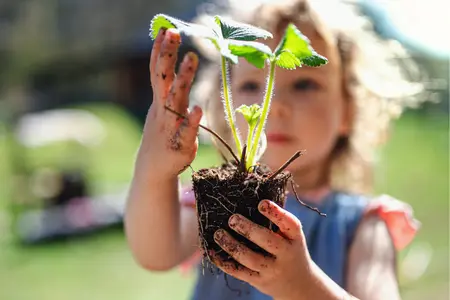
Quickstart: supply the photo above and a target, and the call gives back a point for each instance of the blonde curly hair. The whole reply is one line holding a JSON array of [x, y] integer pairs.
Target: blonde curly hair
[[379, 78]]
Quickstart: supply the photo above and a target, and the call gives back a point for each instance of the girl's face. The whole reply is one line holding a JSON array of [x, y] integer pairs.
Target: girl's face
[[308, 110]]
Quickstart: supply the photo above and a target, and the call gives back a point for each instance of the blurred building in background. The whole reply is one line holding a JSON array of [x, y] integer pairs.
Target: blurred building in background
[[56, 55], [60, 52]]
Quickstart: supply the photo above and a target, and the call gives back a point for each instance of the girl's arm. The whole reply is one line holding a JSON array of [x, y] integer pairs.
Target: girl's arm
[[159, 232], [372, 261]]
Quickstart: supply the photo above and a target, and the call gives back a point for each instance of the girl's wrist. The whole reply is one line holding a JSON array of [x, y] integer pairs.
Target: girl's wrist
[[317, 286], [307, 287], [324, 288]]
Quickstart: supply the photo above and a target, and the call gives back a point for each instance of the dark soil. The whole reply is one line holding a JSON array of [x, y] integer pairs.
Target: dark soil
[[223, 191]]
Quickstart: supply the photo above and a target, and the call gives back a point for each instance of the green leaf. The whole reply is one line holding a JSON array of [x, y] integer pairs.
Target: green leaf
[[251, 113], [299, 45], [294, 41], [254, 52], [163, 21], [240, 31], [287, 60], [315, 60]]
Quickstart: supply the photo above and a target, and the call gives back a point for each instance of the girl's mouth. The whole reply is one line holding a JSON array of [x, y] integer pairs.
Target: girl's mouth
[[278, 138]]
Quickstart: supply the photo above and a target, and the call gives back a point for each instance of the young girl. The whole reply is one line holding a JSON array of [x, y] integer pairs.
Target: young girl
[[337, 112]]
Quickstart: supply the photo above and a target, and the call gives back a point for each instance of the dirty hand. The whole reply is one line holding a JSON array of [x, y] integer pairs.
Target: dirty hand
[[170, 142], [288, 274]]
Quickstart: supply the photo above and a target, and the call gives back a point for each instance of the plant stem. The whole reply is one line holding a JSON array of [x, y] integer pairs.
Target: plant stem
[[229, 106], [264, 114], [251, 130], [243, 160]]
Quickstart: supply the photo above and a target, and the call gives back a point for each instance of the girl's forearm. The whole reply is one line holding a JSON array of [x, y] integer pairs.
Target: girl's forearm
[[152, 222]]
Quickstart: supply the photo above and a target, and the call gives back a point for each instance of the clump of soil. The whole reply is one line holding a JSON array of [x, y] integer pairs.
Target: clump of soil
[[226, 190]]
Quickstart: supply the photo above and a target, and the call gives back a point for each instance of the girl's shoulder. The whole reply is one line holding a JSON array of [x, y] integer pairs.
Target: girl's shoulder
[[397, 215]]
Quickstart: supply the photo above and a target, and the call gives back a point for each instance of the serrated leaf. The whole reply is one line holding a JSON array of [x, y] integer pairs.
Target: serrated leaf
[[299, 45], [287, 60], [163, 21], [251, 113], [294, 41], [254, 52], [315, 60], [231, 29]]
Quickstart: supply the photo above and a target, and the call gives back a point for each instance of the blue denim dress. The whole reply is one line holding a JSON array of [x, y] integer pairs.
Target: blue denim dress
[[328, 242]]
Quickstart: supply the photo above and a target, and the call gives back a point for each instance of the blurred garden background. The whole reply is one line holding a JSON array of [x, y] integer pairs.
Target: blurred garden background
[[74, 92]]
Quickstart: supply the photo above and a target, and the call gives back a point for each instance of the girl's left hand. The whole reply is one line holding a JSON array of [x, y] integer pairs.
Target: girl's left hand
[[289, 274]]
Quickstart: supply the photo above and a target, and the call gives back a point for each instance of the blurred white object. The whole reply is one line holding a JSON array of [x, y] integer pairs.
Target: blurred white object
[[416, 261], [204, 137], [39, 129], [425, 23]]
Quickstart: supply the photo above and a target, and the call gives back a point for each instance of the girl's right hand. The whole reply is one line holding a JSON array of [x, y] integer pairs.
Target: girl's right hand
[[169, 142]]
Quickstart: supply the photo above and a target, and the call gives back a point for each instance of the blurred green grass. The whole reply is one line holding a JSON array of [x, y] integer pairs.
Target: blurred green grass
[[413, 167]]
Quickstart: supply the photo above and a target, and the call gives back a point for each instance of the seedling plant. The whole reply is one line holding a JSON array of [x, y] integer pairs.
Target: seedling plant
[[237, 186]]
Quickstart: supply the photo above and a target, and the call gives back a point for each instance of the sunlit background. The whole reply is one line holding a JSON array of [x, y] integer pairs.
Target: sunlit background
[[74, 92]]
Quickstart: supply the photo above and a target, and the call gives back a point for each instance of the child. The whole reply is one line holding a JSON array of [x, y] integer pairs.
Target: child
[[337, 113]]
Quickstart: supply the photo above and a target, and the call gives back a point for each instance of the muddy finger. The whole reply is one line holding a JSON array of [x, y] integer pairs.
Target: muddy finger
[[240, 272], [189, 126], [179, 93], [241, 253], [261, 236], [155, 53], [289, 225], [165, 65]]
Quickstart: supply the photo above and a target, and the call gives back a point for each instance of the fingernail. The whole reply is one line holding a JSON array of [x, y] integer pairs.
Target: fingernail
[[198, 110], [234, 219], [187, 58], [193, 57], [218, 235], [173, 35], [196, 115], [263, 206]]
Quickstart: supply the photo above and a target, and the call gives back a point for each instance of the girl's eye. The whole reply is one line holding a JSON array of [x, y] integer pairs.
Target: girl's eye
[[249, 87], [306, 85]]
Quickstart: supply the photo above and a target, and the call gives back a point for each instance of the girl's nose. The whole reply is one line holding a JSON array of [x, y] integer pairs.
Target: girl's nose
[[280, 107]]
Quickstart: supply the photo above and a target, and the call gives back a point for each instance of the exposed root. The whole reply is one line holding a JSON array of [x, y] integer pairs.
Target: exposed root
[[237, 291], [203, 241], [223, 191], [286, 164], [185, 167], [303, 203], [220, 202]]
